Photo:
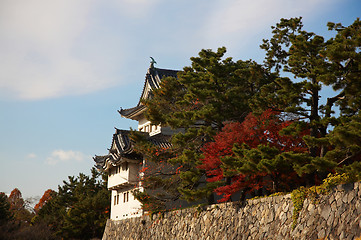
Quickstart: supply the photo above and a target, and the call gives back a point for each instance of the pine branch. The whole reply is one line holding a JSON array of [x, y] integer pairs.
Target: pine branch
[[348, 157], [331, 101]]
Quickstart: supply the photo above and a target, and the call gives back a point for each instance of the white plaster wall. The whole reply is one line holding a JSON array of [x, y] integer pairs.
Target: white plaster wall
[[119, 178], [145, 126], [122, 210], [131, 175]]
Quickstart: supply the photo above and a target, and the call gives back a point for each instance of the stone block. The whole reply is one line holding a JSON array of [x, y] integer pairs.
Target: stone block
[[325, 213], [321, 233], [350, 197], [310, 221], [269, 218], [331, 219]]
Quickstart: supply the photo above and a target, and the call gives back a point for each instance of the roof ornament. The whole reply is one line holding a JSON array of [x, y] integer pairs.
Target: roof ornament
[[152, 62]]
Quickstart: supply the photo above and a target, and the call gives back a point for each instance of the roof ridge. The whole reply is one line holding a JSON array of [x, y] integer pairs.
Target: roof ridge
[[153, 78]]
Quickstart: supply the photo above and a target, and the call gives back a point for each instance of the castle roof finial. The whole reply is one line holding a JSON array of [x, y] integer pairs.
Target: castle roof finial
[[152, 62]]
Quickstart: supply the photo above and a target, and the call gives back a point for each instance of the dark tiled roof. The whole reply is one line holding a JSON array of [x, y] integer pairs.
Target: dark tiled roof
[[161, 140], [152, 81], [122, 149], [131, 111]]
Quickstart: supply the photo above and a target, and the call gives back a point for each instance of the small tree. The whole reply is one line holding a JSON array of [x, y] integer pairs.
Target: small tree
[[5, 213], [44, 199], [79, 209], [248, 156], [17, 207]]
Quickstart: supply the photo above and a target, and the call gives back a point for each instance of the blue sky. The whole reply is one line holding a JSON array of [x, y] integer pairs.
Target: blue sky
[[67, 66]]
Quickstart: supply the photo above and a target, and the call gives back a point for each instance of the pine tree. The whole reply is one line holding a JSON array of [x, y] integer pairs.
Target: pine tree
[[345, 144], [5, 214], [205, 95], [314, 63], [79, 209]]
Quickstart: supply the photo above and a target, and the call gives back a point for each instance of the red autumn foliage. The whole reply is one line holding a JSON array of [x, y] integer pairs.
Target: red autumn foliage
[[44, 199], [253, 131], [16, 200], [17, 207]]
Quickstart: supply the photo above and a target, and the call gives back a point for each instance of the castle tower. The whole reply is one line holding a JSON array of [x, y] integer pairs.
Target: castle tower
[[122, 164]]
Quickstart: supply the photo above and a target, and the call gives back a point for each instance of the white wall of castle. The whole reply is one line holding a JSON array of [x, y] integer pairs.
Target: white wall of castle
[[122, 180], [145, 126], [122, 174], [124, 205]]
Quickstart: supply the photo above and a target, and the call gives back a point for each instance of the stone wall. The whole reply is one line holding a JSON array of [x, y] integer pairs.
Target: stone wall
[[335, 216]]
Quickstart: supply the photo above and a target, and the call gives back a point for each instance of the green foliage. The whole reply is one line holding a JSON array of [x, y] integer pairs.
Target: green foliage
[[79, 209], [215, 90], [211, 91], [149, 202], [5, 214], [158, 176], [276, 194], [346, 141], [353, 171], [333, 180], [252, 155], [299, 195], [344, 51], [15, 220], [18, 207], [315, 63]]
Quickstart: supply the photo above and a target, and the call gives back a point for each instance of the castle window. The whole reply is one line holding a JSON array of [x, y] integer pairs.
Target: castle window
[[126, 197], [115, 200], [118, 199], [125, 166]]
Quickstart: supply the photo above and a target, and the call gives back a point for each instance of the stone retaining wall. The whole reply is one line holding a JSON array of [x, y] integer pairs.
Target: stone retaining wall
[[335, 216]]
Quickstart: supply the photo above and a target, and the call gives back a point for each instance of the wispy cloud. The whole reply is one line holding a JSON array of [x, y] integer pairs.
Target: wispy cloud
[[38, 43], [63, 47], [240, 20], [136, 9], [65, 156], [31, 155]]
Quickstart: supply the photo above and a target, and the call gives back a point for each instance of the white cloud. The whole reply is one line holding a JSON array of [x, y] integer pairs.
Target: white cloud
[[31, 155], [64, 47], [64, 156], [239, 20], [136, 9], [38, 43]]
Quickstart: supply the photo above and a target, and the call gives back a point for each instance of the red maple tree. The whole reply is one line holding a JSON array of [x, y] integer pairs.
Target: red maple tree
[[16, 200], [44, 199], [253, 131]]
